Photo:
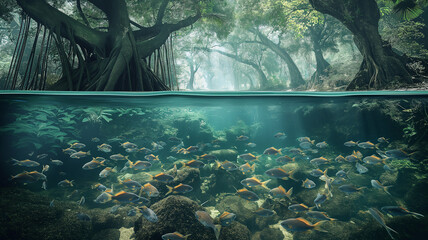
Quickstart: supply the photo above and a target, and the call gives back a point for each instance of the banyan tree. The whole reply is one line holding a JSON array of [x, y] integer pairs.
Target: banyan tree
[[115, 53]]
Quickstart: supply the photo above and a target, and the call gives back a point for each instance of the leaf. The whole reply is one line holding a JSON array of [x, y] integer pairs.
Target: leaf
[[106, 118], [85, 120]]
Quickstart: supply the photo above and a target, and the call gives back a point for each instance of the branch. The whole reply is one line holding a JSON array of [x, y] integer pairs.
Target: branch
[[82, 15], [52, 18], [161, 12]]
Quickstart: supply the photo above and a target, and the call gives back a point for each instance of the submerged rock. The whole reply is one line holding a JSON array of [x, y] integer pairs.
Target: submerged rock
[[177, 213], [225, 154]]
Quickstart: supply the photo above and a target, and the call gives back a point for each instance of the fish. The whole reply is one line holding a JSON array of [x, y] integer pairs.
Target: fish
[[308, 184], [131, 184], [338, 181], [131, 150], [251, 145], [280, 173], [128, 145], [26, 163], [141, 165], [150, 190], [321, 145], [125, 197], [319, 161], [188, 150], [263, 212], [81, 201], [83, 217], [305, 139], [386, 167], [378, 185], [367, 145], [340, 158], [382, 140], [248, 157], [52, 203], [93, 164], [118, 157], [373, 159], [148, 214], [99, 187], [103, 198], [377, 215], [175, 236], [158, 146], [272, 151], [227, 218], [242, 138], [285, 159], [253, 182], [306, 145], [151, 157], [349, 188], [175, 139], [280, 192], [132, 212], [352, 158], [95, 139], [397, 154], [318, 172], [66, 183], [171, 158], [320, 199], [104, 148], [207, 157], [300, 225], [37, 175], [106, 171], [69, 151], [80, 154], [57, 162], [206, 220], [300, 207], [44, 185], [297, 151], [114, 209], [351, 144], [45, 168], [399, 211], [247, 168], [193, 164], [145, 150], [180, 188], [42, 156], [247, 195], [162, 177], [328, 184], [320, 215], [77, 145], [226, 165], [280, 135], [360, 168], [341, 173], [73, 194]]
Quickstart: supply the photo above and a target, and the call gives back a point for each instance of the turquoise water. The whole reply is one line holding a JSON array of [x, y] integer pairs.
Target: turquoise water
[[292, 140]]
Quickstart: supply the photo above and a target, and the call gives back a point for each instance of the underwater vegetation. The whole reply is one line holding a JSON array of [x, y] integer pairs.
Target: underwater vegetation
[[324, 170]]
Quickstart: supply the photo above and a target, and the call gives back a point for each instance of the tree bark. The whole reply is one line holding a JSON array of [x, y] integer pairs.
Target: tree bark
[[381, 67], [115, 59], [322, 64], [296, 78]]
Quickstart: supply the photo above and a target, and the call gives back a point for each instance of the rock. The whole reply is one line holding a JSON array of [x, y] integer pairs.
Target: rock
[[269, 233], [241, 207], [107, 234], [177, 213], [236, 231]]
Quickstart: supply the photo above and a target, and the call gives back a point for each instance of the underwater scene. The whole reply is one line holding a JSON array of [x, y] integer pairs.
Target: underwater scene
[[214, 166]]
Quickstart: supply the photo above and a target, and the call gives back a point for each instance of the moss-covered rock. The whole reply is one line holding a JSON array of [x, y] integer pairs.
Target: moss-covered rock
[[225, 154], [177, 213]]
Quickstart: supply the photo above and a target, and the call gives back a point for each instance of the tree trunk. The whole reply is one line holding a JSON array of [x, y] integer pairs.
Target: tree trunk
[[296, 78], [322, 64], [381, 67]]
